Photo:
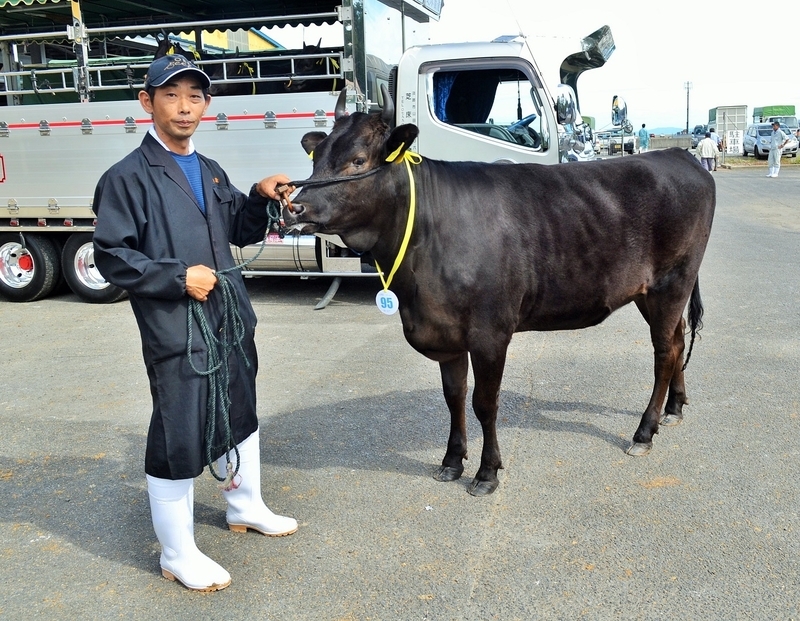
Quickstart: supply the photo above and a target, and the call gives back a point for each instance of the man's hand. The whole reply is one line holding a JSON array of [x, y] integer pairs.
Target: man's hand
[[267, 187], [200, 280]]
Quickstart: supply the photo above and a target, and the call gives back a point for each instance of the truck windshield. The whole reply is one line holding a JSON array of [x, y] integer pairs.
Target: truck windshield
[[498, 103]]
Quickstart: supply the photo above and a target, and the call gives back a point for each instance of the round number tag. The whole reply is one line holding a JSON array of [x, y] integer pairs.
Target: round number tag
[[387, 302]]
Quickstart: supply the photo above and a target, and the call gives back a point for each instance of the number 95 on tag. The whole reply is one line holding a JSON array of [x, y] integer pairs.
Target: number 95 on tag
[[387, 302]]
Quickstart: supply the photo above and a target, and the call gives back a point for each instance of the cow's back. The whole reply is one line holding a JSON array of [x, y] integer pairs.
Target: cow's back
[[560, 247]]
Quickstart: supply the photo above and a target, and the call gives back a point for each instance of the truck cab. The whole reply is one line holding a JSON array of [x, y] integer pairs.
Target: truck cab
[[490, 102]]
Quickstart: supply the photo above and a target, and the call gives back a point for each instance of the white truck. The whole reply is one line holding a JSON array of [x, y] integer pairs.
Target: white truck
[[730, 122], [71, 111]]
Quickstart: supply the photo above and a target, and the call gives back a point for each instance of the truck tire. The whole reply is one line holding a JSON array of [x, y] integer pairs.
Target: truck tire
[[61, 288], [81, 274], [29, 272]]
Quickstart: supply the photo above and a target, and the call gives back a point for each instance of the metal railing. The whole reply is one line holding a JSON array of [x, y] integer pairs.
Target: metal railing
[[130, 75]]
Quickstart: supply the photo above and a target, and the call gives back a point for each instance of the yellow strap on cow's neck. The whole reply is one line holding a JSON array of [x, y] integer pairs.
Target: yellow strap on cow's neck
[[408, 158]]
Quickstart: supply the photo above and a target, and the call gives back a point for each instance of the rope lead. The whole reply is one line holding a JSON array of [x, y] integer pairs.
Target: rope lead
[[219, 349]]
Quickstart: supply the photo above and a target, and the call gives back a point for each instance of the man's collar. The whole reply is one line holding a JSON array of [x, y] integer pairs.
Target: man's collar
[[152, 131]]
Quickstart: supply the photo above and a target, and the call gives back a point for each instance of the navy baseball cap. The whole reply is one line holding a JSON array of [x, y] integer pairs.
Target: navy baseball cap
[[167, 67]]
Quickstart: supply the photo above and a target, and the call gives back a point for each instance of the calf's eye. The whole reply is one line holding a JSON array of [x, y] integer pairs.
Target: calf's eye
[[359, 161]]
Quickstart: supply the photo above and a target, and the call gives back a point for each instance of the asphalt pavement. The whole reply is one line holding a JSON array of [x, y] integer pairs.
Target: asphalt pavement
[[353, 425]]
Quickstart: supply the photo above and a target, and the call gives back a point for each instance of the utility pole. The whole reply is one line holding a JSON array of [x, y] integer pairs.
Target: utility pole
[[688, 87]]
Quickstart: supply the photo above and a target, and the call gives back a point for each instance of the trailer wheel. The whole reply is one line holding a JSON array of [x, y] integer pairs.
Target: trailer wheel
[[81, 274], [27, 272]]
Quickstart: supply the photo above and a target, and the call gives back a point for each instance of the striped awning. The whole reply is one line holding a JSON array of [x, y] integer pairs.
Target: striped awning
[[8, 3], [44, 16]]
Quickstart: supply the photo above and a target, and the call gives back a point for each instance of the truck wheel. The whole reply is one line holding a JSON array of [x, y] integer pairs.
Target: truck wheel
[[28, 272], [81, 274]]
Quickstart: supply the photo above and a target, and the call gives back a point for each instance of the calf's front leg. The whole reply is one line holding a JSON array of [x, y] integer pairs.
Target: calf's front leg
[[488, 370], [454, 385]]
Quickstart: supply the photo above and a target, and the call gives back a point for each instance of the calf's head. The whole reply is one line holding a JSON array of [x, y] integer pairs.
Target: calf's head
[[353, 189]]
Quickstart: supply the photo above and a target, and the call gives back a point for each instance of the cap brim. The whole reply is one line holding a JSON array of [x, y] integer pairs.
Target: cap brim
[[205, 82]]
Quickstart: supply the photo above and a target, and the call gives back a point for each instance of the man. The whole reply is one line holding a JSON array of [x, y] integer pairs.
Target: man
[[717, 140], [165, 217], [776, 145], [644, 139], [707, 150]]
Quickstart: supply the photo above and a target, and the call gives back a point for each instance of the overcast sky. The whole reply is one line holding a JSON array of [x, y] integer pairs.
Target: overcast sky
[[723, 48]]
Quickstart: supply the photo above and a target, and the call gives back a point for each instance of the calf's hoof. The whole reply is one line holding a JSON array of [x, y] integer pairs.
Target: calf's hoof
[[482, 488], [638, 449], [670, 420], [448, 473]]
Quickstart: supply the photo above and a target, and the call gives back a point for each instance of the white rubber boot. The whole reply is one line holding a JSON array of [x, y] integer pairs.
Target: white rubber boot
[[172, 509], [246, 509]]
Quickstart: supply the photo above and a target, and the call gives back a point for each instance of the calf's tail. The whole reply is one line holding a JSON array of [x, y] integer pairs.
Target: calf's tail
[[695, 317]]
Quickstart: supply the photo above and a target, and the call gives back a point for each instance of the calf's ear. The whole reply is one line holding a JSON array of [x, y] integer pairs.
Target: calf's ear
[[399, 141], [311, 140]]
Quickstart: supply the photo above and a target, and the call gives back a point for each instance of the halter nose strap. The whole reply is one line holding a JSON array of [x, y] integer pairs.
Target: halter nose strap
[[408, 157]]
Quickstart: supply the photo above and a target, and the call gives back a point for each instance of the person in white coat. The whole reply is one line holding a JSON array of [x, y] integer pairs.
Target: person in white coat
[[708, 152], [776, 149]]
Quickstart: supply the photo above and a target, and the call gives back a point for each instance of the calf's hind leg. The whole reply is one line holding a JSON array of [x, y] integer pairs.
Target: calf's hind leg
[[665, 317], [676, 399], [454, 386]]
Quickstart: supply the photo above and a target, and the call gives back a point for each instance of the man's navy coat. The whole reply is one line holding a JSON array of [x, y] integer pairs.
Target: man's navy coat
[[150, 228]]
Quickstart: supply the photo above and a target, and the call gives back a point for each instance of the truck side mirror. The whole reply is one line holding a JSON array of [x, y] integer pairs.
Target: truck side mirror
[[619, 111], [566, 106]]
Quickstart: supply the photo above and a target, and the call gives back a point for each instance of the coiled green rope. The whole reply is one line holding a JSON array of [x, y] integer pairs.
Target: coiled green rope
[[219, 349]]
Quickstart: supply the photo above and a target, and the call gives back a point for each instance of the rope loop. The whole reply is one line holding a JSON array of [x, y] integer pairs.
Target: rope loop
[[219, 347], [217, 370]]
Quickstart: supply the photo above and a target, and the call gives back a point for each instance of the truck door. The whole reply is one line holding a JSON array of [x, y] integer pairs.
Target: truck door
[[486, 110]]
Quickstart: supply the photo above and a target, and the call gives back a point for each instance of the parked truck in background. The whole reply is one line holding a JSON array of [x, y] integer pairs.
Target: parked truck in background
[[784, 114], [71, 110], [730, 122]]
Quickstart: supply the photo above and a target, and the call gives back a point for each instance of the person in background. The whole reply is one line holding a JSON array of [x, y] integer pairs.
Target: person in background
[[707, 151], [644, 140], [717, 140], [166, 217], [776, 149]]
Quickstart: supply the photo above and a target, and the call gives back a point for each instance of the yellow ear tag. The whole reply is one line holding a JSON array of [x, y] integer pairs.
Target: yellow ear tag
[[396, 152], [311, 155]]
